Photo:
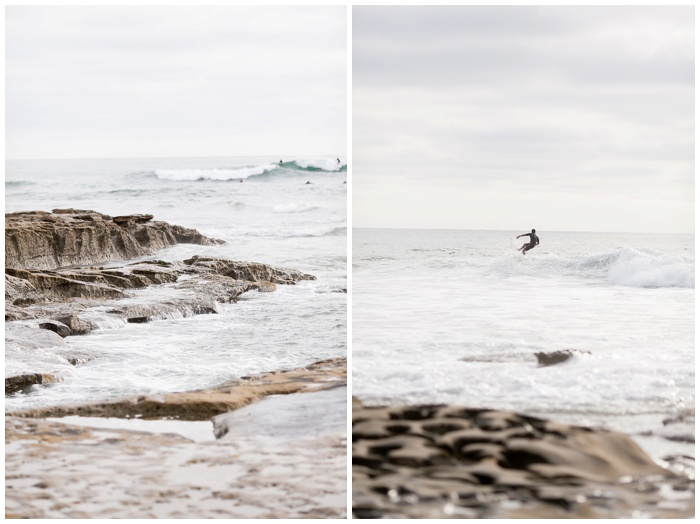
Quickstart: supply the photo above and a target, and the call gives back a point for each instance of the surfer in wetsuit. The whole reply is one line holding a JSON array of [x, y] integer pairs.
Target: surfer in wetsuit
[[534, 241]]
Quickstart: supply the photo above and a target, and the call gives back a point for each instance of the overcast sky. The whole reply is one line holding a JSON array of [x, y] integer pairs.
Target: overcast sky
[[518, 117], [130, 81]]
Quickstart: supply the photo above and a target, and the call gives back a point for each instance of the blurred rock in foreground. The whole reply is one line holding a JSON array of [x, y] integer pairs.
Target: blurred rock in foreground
[[454, 462]]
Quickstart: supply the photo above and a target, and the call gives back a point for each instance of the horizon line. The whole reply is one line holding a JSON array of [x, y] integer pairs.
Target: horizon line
[[167, 157], [539, 230]]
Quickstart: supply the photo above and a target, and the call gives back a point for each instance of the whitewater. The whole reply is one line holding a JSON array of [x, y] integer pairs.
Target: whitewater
[[445, 316], [287, 212]]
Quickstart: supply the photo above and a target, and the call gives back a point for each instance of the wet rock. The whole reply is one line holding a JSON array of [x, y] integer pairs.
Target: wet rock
[[23, 288], [48, 272], [189, 288], [132, 219], [77, 360], [247, 271], [557, 357], [66, 237], [57, 327], [207, 403], [435, 461], [267, 287], [24, 382]]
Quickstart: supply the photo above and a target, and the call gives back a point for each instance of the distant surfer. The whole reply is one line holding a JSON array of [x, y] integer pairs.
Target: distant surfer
[[307, 182], [534, 241], [338, 160]]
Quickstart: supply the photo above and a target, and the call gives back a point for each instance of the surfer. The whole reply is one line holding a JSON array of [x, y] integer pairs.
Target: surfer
[[338, 160], [280, 162], [534, 241]]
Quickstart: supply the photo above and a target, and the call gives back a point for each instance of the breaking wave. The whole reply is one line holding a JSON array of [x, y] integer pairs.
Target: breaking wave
[[625, 266], [297, 233], [240, 173]]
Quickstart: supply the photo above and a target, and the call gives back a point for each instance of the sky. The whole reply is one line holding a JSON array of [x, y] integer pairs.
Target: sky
[[561, 118], [174, 81]]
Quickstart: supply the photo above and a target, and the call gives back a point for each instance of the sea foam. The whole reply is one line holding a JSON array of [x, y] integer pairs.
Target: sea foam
[[213, 174], [625, 266], [632, 267]]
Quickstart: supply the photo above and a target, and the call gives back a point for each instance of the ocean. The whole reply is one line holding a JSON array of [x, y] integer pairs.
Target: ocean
[[450, 316], [288, 212]]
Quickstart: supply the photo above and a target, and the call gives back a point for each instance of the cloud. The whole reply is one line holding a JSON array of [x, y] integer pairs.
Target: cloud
[[273, 78], [504, 101]]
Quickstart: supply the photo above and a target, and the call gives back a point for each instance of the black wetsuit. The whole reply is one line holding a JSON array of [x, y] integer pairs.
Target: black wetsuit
[[534, 240]]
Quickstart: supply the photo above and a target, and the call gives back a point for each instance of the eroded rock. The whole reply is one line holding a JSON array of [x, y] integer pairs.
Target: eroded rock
[[57, 327], [69, 295], [24, 382], [207, 403], [40, 240], [451, 462], [248, 271]]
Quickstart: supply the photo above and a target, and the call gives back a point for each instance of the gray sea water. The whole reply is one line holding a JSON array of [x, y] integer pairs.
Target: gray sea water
[[446, 316], [291, 214]]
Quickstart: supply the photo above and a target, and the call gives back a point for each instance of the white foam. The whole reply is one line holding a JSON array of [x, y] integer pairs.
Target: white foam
[[625, 266], [213, 174], [637, 268], [326, 164]]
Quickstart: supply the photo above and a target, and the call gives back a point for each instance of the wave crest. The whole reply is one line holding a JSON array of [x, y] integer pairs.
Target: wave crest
[[323, 165], [213, 174], [636, 268], [625, 266], [298, 233]]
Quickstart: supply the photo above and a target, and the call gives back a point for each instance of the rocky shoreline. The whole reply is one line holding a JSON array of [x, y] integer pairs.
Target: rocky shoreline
[[68, 273], [433, 461], [45, 302], [296, 469]]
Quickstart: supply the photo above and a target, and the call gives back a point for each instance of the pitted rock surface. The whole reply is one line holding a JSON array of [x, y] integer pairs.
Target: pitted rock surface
[[455, 462]]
